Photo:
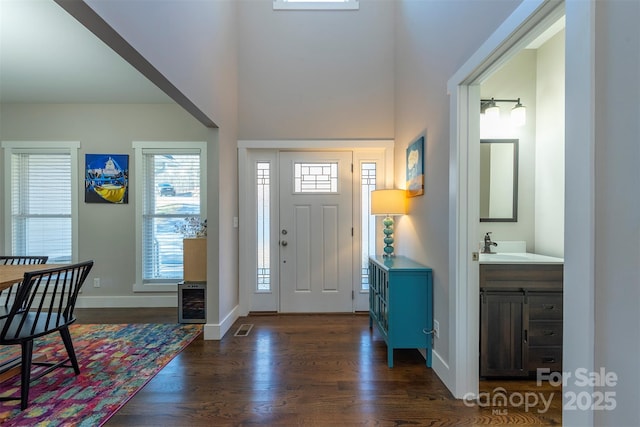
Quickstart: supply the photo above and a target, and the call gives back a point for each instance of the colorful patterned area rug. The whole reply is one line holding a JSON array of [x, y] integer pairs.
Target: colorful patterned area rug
[[115, 362]]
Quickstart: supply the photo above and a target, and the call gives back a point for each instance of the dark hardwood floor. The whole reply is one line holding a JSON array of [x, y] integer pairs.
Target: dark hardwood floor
[[317, 370]]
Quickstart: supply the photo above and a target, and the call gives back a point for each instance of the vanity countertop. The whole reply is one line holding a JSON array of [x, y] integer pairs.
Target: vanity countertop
[[518, 258]]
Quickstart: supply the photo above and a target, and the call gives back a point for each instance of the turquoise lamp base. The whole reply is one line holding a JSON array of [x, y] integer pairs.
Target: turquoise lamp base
[[388, 237]]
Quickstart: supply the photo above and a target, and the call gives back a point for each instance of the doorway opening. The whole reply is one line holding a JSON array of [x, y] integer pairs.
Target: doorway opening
[[522, 193], [306, 231], [519, 31]]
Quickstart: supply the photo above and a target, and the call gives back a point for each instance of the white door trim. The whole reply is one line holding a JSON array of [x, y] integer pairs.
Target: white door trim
[[246, 200]]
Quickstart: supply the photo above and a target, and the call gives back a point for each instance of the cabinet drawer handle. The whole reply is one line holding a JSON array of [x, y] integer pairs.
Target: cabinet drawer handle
[[549, 333], [548, 306], [548, 360]]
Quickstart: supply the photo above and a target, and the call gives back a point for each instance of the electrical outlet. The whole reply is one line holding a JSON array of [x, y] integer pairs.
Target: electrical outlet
[[96, 282], [436, 329]]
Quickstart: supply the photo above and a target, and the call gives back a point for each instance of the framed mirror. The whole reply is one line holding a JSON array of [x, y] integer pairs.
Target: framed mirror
[[498, 180]]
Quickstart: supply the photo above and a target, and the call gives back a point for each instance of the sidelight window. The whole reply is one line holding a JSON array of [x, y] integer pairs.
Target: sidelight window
[[368, 221], [263, 178]]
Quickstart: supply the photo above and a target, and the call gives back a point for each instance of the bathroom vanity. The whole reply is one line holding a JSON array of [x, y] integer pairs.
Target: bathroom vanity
[[520, 314]]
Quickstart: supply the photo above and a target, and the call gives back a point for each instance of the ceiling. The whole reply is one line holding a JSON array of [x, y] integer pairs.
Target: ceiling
[[46, 56]]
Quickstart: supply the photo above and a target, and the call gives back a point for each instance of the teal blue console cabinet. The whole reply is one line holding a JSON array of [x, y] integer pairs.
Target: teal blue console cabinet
[[401, 303]]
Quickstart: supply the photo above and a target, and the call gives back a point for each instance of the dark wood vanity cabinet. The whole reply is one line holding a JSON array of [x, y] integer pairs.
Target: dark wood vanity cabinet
[[520, 319], [502, 342]]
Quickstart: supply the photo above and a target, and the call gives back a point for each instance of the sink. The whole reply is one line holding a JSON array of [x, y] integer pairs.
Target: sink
[[507, 257], [518, 258]]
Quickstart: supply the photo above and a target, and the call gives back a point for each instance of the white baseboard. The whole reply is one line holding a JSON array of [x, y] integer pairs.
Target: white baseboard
[[127, 302], [440, 367], [214, 331], [443, 371]]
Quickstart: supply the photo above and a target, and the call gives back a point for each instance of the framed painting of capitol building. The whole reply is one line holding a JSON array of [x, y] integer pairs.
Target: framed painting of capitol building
[[106, 178]]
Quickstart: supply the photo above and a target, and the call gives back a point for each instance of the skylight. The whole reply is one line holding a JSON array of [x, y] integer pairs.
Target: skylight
[[315, 5]]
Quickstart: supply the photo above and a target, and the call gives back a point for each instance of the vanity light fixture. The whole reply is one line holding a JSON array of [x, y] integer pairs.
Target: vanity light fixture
[[489, 108]]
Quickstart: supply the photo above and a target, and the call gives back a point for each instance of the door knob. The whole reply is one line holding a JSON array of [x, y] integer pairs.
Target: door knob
[[284, 243]]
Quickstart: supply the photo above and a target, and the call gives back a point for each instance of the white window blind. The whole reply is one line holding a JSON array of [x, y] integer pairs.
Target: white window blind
[[41, 204], [170, 194]]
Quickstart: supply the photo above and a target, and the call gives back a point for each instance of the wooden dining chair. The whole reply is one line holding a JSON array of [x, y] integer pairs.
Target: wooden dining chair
[[44, 304], [7, 295]]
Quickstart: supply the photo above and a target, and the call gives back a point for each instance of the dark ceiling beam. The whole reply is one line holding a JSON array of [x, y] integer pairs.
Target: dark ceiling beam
[[98, 26]]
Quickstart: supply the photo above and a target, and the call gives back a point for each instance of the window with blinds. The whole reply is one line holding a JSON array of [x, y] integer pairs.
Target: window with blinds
[[170, 193], [42, 199], [41, 206]]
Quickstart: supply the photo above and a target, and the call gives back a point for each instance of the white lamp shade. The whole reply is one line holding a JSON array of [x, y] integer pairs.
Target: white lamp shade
[[388, 202]]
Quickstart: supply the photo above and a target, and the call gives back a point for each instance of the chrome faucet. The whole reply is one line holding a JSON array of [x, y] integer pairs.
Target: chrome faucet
[[487, 244]]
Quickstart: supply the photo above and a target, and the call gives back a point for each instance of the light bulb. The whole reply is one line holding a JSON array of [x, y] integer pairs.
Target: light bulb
[[492, 112], [519, 115]]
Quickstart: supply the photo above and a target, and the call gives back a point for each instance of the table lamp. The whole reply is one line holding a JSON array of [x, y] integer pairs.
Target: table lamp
[[388, 202]]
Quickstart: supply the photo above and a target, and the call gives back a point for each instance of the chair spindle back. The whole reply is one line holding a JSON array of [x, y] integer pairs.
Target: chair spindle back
[[49, 296], [6, 294]]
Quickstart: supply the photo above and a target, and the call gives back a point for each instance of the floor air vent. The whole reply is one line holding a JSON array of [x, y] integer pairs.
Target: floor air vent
[[244, 330]]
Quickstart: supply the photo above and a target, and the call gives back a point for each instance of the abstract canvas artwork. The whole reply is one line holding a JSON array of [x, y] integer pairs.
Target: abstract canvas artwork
[[415, 168]]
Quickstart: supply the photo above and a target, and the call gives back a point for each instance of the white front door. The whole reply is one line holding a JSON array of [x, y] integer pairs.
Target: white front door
[[316, 232]]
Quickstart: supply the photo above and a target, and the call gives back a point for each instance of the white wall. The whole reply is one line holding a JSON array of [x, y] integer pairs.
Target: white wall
[[549, 148], [515, 79], [193, 43], [433, 39], [316, 74], [106, 232], [602, 213], [617, 205], [537, 77]]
